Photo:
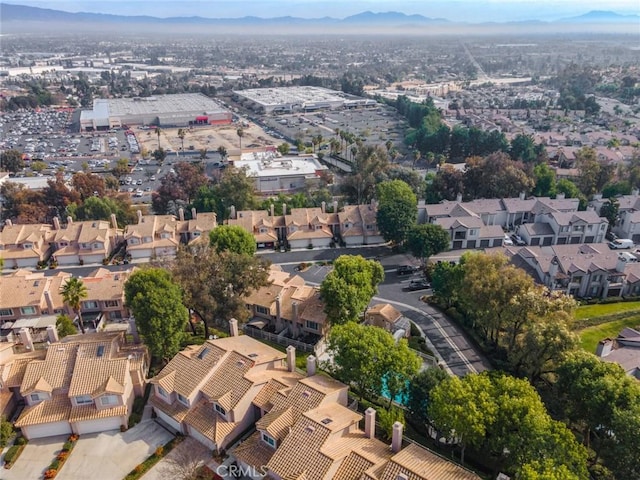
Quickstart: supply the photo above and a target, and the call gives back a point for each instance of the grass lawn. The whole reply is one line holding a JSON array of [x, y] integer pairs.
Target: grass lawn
[[598, 310], [590, 336]]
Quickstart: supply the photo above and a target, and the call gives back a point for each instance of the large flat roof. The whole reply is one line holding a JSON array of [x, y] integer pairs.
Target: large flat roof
[[267, 164], [292, 95]]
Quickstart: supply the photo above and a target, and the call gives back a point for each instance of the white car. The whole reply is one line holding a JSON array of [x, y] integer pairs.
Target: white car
[[507, 241]]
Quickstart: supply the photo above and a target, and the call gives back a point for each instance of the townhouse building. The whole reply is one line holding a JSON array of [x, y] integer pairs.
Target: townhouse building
[[23, 246], [628, 222], [84, 384]]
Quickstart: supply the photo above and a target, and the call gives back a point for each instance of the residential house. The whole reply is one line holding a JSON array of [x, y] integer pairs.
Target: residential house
[[358, 224], [23, 246], [84, 242], [266, 228], [105, 294], [84, 384], [307, 432], [560, 228], [25, 294], [470, 232], [308, 227], [623, 350], [206, 391], [385, 316], [12, 367], [156, 236]]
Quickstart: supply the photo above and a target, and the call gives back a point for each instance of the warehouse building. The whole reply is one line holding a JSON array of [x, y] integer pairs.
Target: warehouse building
[[178, 110], [298, 99]]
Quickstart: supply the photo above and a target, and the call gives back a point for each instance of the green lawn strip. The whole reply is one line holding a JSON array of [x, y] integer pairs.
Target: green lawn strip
[[590, 336], [602, 309], [158, 455], [13, 452]]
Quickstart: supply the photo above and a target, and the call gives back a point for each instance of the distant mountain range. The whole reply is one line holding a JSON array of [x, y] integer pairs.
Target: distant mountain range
[[22, 13]]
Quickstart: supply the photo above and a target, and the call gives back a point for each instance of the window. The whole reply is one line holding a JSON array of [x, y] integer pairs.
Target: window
[[6, 312], [165, 235], [28, 310], [147, 240], [161, 391], [262, 310], [370, 227], [219, 409], [268, 440], [473, 232], [133, 241], [313, 325], [597, 278], [28, 246], [35, 397], [111, 303], [108, 400], [184, 400], [196, 234], [83, 400], [97, 245], [90, 305]]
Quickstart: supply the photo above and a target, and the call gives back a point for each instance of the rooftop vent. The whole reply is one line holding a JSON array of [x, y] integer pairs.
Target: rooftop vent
[[203, 352], [309, 429], [306, 394], [100, 352], [252, 355], [326, 421]]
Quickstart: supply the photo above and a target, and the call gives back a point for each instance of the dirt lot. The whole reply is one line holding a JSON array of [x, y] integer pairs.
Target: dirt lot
[[209, 137]]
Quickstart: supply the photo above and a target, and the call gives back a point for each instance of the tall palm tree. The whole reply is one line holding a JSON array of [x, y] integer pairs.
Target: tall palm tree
[[240, 133], [181, 134], [158, 132], [223, 152], [73, 292]]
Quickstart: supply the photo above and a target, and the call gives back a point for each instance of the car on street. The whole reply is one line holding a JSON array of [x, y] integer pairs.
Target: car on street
[[406, 269], [421, 284]]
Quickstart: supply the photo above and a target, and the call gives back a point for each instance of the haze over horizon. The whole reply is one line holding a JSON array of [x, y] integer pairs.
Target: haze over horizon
[[472, 11]]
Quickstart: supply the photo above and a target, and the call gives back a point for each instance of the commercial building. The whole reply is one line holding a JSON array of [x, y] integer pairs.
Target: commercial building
[[163, 110], [298, 99]]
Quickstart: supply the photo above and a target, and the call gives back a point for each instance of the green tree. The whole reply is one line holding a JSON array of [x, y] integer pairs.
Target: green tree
[[283, 148], [65, 326], [426, 240], [610, 210], [156, 303], [73, 291], [232, 238], [121, 169], [621, 455], [397, 210], [215, 284], [181, 134], [159, 154], [38, 166], [420, 389], [545, 181], [593, 174], [349, 287], [158, 133], [366, 357], [235, 189], [523, 148], [240, 133], [11, 160], [446, 281], [6, 431], [222, 151]]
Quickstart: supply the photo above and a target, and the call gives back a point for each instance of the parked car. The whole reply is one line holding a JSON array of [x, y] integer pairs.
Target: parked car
[[611, 236], [507, 241], [418, 285], [406, 269], [517, 239]]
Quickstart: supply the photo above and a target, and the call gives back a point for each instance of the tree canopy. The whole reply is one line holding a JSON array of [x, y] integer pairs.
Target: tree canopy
[[397, 210], [73, 291], [232, 238], [156, 303], [349, 287], [427, 239]]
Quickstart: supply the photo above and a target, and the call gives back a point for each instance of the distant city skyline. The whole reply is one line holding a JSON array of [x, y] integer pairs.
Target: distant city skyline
[[472, 11]]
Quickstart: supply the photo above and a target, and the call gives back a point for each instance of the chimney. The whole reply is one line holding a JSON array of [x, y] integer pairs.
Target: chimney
[[56, 223], [522, 195], [604, 347], [139, 212], [233, 327], [232, 212], [335, 206], [284, 209], [459, 197], [134, 330], [370, 423], [69, 220], [47, 298], [52, 334], [25, 338], [591, 208], [278, 309], [114, 221], [635, 192], [181, 214], [294, 311], [621, 263], [311, 366], [396, 441], [323, 207], [8, 223], [194, 214], [560, 196], [291, 358], [272, 210]]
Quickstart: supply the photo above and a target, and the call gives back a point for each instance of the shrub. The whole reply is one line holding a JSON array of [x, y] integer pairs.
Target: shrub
[[51, 473], [62, 456], [73, 438], [387, 419], [21, 441], [11, 454], [67, 446], [159, 451], [55, 464]]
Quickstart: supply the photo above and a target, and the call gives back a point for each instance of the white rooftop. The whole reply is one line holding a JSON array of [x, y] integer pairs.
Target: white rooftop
[[304, 95], [267, 164]]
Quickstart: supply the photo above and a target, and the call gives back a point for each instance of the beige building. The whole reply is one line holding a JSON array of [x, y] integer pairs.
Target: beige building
[[23, 246], [387, 317], [84, 384]]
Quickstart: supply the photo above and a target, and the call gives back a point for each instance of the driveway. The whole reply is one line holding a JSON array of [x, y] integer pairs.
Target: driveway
[[34, 459], [181, 461], [112, 455]]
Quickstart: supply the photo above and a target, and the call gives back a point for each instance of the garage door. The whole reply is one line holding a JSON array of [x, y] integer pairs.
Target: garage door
[[100, 425], [47, 430], [168, 420], [201, 438]]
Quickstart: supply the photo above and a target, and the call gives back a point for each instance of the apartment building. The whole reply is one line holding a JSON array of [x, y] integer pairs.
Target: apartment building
[[23, 246], [84, 384]]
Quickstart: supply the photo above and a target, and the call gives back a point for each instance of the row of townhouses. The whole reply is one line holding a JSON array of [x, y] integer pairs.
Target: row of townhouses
[[216, 393], [538, 221]]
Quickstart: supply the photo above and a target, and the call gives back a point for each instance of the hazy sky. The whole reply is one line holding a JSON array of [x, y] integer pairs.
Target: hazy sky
[[456, 10]]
